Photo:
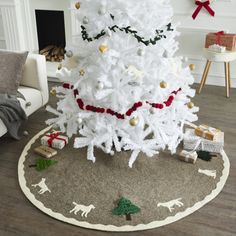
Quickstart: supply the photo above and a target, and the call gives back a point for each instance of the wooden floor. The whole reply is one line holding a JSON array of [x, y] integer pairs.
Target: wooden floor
[[19, 217]]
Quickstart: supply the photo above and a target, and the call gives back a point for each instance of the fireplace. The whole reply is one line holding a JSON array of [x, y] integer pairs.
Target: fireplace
[[51, 34]]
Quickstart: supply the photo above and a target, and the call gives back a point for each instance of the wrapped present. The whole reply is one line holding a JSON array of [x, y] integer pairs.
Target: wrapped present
[[190, 157], [45, 151], [217, 48], [196, 143], [207, 132], [54, 140], [222, 39]]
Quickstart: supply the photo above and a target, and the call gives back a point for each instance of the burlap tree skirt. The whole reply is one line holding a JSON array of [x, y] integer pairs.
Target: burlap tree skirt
[[85, 194]]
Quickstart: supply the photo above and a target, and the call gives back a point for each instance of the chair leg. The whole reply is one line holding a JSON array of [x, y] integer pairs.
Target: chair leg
[[229, 75], [204, 77], [227, 79]]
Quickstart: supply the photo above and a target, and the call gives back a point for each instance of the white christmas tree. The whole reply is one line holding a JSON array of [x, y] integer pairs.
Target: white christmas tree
[[128, 91]]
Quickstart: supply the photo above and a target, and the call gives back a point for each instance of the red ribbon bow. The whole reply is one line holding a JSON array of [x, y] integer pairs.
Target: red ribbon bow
[[218, 34], [52, 137], [200, 5]]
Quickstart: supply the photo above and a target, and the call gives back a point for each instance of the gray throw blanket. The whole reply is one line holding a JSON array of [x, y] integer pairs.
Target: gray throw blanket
[[12, 115]]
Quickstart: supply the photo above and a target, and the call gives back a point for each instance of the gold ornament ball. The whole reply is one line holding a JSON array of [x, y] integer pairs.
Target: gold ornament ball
[[82, 72], [190, 105], [59, 67], [192, 67], [163, 84], [77, 5], [53, 92], [134, 121], [103, 48]]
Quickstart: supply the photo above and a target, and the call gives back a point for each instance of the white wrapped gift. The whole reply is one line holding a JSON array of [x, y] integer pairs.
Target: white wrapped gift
[[194, 142], [217, 48], [54, 140], [190, 157]]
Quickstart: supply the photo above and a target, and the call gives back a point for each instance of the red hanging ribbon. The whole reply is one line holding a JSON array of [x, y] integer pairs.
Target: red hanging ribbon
[[54, 136], [200, 5], [219, 34]]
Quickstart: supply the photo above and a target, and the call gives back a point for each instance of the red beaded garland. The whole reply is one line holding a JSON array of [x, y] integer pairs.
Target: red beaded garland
[[68, 86], [118, 115], [80, 103], [76, 92]]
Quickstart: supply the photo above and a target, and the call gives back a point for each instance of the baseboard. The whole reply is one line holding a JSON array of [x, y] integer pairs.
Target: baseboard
[[211, 80], [214, 80], [216, 74]]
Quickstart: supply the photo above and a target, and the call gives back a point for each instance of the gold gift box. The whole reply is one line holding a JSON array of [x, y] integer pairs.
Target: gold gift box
[[207, 132], [45, 151]]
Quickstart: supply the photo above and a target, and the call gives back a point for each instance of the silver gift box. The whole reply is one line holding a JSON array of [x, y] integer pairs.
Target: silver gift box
[[194, 142]]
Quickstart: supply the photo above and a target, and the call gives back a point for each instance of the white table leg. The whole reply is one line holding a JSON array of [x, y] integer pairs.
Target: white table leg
[[227, 78]]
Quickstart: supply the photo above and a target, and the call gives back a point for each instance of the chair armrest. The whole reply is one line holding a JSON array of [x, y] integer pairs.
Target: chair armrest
[[35, 75]]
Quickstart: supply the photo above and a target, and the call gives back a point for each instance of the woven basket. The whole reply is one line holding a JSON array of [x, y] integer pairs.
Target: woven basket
[[194, 142]]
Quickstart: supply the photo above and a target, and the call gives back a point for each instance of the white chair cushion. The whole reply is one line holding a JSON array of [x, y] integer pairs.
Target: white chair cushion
[[33, 96], [35, 75]]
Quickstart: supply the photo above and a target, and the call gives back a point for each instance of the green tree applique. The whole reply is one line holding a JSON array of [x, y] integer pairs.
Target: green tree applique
[[125, 207], [42, 164]]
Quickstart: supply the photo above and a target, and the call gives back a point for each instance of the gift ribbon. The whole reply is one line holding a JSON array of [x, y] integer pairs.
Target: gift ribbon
[[54, 136], [207, 129], [198, 139], [198, 144], [200, 5], [219, 34]]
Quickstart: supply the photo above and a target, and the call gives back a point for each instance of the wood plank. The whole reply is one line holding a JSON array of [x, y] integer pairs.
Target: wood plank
[[46, 49]]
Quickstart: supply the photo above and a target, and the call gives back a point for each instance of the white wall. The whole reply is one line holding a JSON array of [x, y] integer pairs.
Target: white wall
[[2, 38], [15, 24], [18, 19], [192, 40]]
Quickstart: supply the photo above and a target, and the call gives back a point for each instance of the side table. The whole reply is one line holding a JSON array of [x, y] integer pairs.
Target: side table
[[225, 57]]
